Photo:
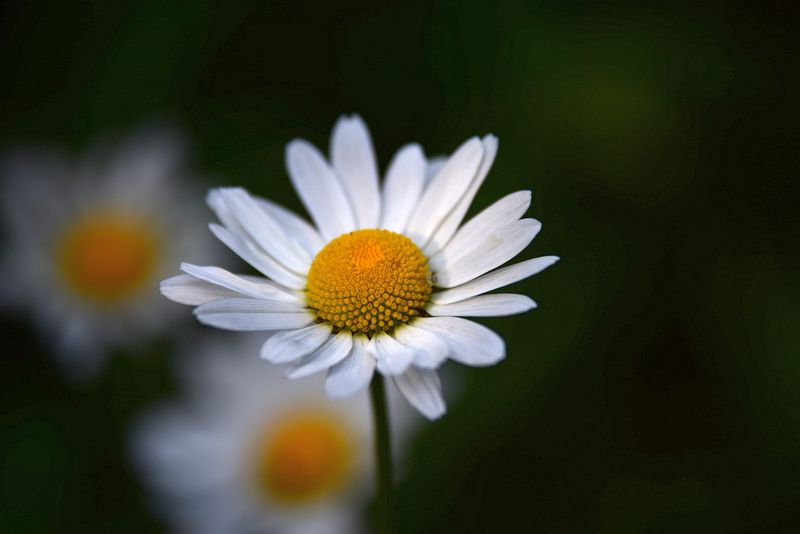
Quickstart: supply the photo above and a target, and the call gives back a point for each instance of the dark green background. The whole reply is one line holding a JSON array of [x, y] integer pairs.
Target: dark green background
[[656, 387]]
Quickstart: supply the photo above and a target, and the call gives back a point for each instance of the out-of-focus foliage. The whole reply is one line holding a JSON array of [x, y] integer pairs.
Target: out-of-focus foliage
[[656, 387]]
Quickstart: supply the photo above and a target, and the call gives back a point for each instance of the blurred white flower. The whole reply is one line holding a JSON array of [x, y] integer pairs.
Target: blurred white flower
[[245, 451], [385, 276], [88, 238]]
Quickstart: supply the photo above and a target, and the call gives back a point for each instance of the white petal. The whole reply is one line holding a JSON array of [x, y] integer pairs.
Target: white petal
[[502, 213], [332, 352], [402, 187], [186, 289], [289, 345], [454, 218], [352, 374], [444, 191], [263, 230], [235, 241], [433, 167], [258, 259], [223, 212], [392, 357], [263, 289], [498, 305], [485, 253], [429, 349], [470, 343], [237, 238], [495, 279], [354, 161], [297, 227], [423, 390], [251, 314], [319, 190], [169, 445]]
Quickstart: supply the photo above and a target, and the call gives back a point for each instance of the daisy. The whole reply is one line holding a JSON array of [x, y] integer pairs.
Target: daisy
[[245, 451], [384, 276], [88, 238]]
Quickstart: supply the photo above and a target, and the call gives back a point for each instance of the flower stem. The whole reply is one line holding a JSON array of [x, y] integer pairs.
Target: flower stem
[[383, 456]]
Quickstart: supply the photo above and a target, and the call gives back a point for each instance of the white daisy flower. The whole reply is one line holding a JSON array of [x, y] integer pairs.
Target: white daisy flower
[[88, 239], [383, 277], [245, 451]]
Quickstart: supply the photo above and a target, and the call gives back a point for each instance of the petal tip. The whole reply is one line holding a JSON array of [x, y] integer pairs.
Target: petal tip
[[355, 118], [434, 416], [293, 146]]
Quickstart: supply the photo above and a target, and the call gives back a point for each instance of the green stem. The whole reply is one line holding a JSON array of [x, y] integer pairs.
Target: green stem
[[383, 457]]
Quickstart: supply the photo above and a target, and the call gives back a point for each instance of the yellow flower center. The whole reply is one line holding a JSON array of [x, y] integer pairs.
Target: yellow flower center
[[106, 257], [304, 457], [369, 281]]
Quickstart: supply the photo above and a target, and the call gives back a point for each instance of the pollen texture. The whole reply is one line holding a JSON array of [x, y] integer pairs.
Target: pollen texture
[[369, 281]]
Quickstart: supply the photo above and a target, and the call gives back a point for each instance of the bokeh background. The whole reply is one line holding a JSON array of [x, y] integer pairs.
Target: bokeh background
[[656, 387]]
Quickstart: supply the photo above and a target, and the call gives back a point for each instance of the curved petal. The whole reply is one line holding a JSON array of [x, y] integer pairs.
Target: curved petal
[[352, 374], [297, 227], [257, 258], [392, 357], [495, 279], [354, 161], [289, 345], [263, 230], [433, 167], [497, 305], [485, 253], [444, 191], [186, 289], [423, 390], [402, 187], [450, 224], [223, 212], [332, 352], [429, 349], [251, 314], [319, 190], [243, 286], [470, 343], [502, 213]]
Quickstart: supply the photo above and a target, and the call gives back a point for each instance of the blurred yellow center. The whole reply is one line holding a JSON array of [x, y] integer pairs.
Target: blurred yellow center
[[106, 257], [369, 281], [304, 457]]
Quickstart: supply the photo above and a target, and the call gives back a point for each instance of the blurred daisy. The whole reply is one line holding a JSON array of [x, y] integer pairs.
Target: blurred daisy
[[88, 239], [382, 278], [245, 451]]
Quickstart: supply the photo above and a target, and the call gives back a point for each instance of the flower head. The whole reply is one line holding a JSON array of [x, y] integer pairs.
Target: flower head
[[243, 450], [383, 277], [89, 237]]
